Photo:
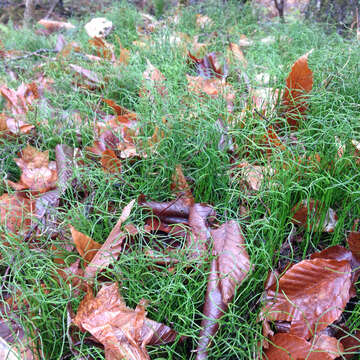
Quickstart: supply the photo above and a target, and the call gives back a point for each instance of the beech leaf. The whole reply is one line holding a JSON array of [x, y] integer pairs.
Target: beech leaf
[[311, 295], [298, 84], [124, 332]]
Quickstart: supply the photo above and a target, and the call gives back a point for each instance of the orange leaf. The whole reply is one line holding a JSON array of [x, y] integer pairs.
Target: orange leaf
[[298, 84], [110, 162], [85, 246], [181, 186]]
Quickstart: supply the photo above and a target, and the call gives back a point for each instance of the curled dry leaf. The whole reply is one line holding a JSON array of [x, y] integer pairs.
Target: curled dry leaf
[[16, 213], [124, 332], [85, 246], [285, 346], [305, 213], [112, 247], [298, 84], [38, 174], [311, 295], [228, 269], [209, 67]]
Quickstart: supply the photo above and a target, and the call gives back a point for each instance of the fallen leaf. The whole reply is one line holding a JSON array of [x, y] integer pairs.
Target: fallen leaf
[[153, 78], [237, 54], [181, 187], [209, 67], [305, 213], [92, 80], [253, 175], [123, 332], [298, 84], [52, 25], [38, 174], [112, 247], [16, 213], [311, 295], [285, 346], [350, 341], [228, 269], [110, 162], [85, 246]]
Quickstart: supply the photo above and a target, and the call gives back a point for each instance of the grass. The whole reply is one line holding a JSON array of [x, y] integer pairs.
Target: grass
[[191, 138]]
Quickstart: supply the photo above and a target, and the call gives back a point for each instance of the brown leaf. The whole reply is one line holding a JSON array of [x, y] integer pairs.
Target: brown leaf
[[16, 214], [110, 162], [171, 212], [112, 247], [233, 263], [311, 295], [285, 346], [238, 54], [181, 187], [123, 332], [197, 240], [350, 342], [298, 84], [38, 174], [353, 241], [154, 78], [53, 25], [89, 76], [228, 269], [208, 66], [85, 246], [304, 213]]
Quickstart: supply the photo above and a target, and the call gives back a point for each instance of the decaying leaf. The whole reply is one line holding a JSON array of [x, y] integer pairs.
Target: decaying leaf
[[298, 84], [16, 213], [253, 175], [110, 162], [305, 213], [228, 269], [311, 295], [90, 79], [153, 78], [285, 346], [124, 332], [38, 174]]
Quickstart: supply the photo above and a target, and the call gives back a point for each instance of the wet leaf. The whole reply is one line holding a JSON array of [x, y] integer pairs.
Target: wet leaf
[[291, 347], [123, 332], [228, 269], [298, 84], [311, 295]]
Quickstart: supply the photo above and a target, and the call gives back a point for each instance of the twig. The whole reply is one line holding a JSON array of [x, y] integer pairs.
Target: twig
[[331, 77], [261, 115], [52, 7], [34, 53]]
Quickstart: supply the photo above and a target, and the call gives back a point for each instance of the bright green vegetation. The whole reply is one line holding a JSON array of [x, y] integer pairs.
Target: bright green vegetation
[[191, 138]]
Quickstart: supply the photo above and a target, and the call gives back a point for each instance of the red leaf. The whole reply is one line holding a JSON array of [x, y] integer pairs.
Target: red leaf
[[298, 84]]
